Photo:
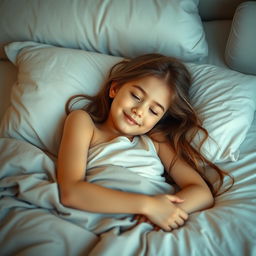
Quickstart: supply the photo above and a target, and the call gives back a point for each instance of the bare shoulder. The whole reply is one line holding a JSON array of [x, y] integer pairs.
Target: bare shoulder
[[79, 115], [79, 124], [75, 143], [80, 118]]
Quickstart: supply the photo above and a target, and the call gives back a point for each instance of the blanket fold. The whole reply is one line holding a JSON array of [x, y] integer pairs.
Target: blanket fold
[[29, 193]]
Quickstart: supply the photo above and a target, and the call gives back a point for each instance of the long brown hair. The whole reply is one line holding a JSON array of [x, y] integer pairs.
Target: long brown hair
[[179, 124]]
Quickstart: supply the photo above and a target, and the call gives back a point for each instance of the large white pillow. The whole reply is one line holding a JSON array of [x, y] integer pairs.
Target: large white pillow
[[48, 76], [240, 53], [225, 100], [116, 27]]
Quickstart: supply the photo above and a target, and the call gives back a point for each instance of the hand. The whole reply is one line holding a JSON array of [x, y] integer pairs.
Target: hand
[[162, 212], [143, 219]]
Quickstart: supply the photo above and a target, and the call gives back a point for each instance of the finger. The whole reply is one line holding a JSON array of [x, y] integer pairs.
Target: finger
[[168, 229], [180, 222], [175, 199], [174, 225], [184, 215]]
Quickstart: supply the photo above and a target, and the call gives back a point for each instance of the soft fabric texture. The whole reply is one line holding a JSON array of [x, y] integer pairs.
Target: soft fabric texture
[[120, 150], [225, 100], [120, 28], [34, 222], [35, 190], [240, 51], [48, 76]]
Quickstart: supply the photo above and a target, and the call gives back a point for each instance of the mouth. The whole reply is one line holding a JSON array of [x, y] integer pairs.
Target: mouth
[[130, 120]]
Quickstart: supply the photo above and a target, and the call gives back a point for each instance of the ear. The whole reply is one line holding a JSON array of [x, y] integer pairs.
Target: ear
[[113, 90]]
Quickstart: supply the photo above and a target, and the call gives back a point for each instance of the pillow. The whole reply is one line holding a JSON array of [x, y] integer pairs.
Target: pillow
[[225, 100], [120, 28], [240, 51], [49, 75]]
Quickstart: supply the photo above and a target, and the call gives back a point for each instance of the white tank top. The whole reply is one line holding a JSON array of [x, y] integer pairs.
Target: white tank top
[[138, 155]]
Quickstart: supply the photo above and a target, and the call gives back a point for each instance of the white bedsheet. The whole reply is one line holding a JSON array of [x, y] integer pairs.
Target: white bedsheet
[[33, 222]]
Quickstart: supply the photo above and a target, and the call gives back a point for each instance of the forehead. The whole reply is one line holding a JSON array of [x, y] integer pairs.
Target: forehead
[[156, 89]]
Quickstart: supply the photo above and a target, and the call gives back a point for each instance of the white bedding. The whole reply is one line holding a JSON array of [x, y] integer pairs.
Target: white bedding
[[216, 34], [34, 222]]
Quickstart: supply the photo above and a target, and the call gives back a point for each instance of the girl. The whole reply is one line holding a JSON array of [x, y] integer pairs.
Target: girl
[[143, 99]]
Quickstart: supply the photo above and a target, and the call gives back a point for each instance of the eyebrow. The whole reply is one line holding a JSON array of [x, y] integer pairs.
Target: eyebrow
[[144, 92]]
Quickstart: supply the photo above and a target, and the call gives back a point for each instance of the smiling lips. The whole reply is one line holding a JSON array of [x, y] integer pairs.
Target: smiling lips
[[130, 120]]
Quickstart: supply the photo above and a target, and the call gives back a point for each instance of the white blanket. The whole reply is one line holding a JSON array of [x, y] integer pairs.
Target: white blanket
[[33, 222]]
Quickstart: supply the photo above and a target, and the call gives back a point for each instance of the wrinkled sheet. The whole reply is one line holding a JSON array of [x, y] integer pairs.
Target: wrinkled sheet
[[33, 222]]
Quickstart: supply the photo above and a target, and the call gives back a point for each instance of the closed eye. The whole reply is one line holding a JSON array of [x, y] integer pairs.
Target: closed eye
[[135, 96], [153, 112]]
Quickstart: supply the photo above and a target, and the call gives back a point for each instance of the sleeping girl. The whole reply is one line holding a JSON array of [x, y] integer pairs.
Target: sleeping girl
[[141, 121]]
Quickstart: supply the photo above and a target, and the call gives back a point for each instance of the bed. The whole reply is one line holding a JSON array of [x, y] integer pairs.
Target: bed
[[51, 50]]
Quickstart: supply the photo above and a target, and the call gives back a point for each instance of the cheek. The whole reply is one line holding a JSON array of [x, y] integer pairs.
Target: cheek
[[117, 103], [122, 100], [151, 121]]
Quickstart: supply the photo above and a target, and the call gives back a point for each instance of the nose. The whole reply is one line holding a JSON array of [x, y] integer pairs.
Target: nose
[[138, 110]]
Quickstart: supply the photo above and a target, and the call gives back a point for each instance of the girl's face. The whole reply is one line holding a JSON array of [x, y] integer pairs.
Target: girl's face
[[137, 106]]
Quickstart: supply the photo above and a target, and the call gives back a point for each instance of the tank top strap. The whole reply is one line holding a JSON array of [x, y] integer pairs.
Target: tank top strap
[[149, 142]]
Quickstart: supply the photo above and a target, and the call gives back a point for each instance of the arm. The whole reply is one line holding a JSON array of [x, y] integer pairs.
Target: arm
[[75, 192], [195, 192], [71, 169]]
